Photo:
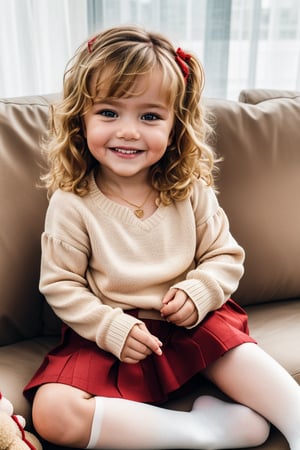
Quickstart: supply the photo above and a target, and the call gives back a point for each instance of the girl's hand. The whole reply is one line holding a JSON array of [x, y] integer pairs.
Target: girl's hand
[[179, 309], [139, 344]]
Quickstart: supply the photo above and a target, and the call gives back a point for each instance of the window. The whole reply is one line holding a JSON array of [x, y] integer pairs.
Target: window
[[242, 44]]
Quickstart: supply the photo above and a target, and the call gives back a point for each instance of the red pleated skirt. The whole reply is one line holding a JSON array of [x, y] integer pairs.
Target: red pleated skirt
[[80, 363]]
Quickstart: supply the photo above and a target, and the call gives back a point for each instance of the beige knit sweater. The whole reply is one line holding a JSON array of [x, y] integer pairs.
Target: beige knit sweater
[[99, 260]]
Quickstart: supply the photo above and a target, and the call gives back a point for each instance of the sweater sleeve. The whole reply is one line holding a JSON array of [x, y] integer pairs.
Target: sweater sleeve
[[218, 259], [64, 283]]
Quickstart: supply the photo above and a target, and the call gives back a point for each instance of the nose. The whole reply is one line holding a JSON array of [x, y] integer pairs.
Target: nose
[[128, 130]]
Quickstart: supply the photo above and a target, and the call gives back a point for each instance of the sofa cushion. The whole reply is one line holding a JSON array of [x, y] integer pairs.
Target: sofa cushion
[[18, 362], [22, 124], [255, 96], [275, 326], [259, 184]]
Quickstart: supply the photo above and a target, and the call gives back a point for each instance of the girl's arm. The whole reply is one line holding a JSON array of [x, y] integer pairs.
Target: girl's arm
[[66, 280], [218, 257], [64, 283]]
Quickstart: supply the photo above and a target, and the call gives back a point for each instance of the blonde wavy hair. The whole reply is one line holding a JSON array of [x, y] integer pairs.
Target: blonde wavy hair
[[109, 64]]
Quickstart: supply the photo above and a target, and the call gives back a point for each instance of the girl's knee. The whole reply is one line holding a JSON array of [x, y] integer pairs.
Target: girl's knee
[[63, 415], [258, 429]]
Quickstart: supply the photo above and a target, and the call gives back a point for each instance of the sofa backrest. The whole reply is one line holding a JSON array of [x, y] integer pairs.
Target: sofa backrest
[[259, 184], [23, 122]]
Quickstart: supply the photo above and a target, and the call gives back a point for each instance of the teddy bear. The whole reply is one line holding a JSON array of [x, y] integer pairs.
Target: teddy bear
[[12, 433]]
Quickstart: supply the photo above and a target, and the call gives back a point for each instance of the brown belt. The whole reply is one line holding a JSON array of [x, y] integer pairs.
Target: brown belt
[[152, 314]]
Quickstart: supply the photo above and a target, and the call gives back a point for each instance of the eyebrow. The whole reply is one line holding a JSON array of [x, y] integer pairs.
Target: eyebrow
[[112, 101]]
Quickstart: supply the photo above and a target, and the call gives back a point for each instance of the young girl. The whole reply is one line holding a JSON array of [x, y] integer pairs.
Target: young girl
[[139, 263]]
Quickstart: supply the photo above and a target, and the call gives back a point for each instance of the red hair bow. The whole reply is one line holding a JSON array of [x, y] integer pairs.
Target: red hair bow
[[182, 58], [90, 44]]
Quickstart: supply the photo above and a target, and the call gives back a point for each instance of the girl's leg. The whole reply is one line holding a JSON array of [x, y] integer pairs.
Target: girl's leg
[[253, 378], [62, 415], [212, 424], [69, 417]]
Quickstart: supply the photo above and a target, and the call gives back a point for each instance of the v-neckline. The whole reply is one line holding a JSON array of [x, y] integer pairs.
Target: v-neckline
[[122, 212]]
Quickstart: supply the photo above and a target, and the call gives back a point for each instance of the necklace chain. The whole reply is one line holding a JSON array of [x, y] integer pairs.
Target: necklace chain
[[138, 211]]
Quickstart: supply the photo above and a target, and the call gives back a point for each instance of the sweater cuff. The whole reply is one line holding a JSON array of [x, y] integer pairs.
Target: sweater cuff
[[206, 294], [118, 331]]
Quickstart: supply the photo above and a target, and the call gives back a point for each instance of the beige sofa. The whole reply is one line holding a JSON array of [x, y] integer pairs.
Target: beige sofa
[[259, 183]]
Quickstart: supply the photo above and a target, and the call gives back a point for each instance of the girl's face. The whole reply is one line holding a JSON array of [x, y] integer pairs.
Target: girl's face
[[128, 135]]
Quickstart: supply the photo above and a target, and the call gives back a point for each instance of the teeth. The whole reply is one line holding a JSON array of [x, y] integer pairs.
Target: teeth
[[126, 152]]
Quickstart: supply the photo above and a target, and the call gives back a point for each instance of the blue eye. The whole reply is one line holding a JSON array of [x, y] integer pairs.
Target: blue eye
[[107, 113], [150, 116]]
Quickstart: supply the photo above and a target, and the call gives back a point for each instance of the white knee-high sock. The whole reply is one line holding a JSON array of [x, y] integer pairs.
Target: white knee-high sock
[[250, 376], [212, 424], [97, 423]]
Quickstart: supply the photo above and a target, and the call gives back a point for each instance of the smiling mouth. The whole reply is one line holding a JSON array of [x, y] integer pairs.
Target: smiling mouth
[[124, 151]]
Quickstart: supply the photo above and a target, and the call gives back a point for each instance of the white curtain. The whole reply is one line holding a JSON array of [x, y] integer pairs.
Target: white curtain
[[242, 43], [37, 37]]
